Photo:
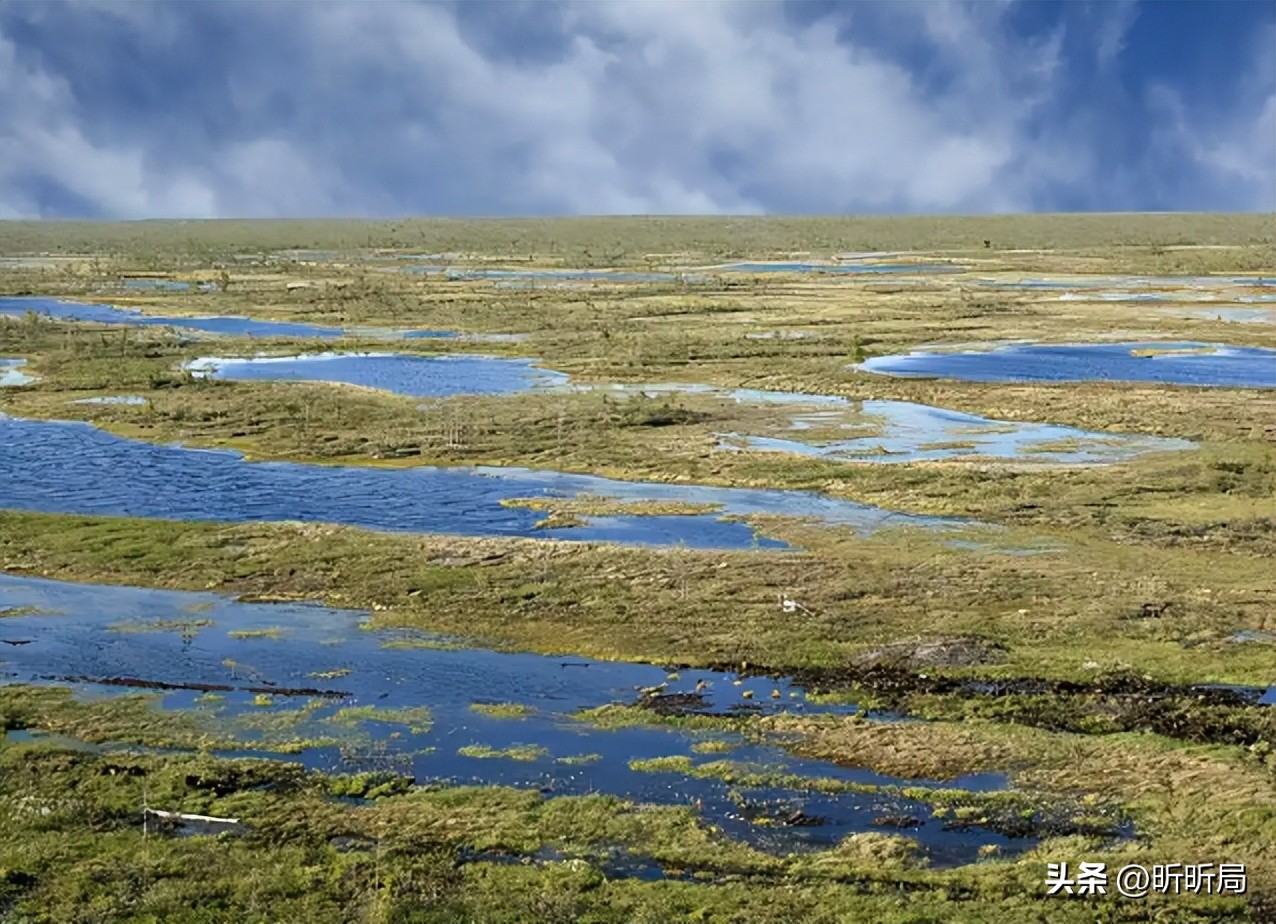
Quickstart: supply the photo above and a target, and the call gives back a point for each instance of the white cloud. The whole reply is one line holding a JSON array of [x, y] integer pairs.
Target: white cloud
[[1234, 147], [349, 108]]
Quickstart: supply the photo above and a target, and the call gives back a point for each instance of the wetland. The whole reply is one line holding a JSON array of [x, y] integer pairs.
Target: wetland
[[773, 569]]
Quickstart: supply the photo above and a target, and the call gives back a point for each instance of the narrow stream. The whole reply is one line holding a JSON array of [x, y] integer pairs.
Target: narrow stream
[[99, 473]]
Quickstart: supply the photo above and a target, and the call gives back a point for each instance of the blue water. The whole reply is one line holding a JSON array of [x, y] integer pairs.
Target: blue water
[[584, 275], [576, 275], [1182, 296], [90, 633], [11, 373], [110, 314], [916, 433], [1239, 367], [102, 474], [900, 431], [17, 306], [1227, 313], [398, 372], [838, 268], [1084, 282], [161, 285]]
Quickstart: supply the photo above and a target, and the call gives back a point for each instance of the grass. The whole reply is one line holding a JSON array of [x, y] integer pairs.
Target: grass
[[158, 246], [502, 710], [270, 632], [1194, 530], [607, 507], [402, 846], [704, 607], [331, 674], [521, 752], [579, 759], [163, 625], [418, 719]]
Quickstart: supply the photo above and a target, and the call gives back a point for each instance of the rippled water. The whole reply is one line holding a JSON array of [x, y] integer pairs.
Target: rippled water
[[102, 632], [99, 473], [1216, 364], [402, 373], [885, 431]]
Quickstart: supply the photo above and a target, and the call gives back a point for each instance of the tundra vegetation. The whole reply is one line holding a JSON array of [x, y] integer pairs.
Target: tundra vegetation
[[1085, 671]]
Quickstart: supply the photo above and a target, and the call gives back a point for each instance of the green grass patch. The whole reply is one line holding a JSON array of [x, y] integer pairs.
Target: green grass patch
[[522, 752]]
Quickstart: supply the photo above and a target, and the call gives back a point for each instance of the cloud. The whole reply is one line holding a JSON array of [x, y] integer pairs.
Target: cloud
[[277, 109]]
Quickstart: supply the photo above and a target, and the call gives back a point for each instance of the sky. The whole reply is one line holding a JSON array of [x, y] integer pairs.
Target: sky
[[131, 110]]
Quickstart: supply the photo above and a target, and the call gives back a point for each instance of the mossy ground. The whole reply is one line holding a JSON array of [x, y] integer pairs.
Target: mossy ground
[[1193, 530]]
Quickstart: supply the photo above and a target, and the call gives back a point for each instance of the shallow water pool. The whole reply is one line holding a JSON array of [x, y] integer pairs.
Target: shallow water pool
[[409, 707], [11, 374], [1227, 313], [839, 269], [901, 431], [397, 372], [907, 432], [534, 275], [111, 314], [1171, 363], [17, 306]]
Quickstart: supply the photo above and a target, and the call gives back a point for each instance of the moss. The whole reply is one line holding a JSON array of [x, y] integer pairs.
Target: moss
[[579, 759], [272, 632], [502, 710], [523, 752], [418, 719], [1183, 529]]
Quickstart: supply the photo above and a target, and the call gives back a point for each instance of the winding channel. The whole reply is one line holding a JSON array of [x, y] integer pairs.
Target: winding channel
[[376, 683], [379, 683]]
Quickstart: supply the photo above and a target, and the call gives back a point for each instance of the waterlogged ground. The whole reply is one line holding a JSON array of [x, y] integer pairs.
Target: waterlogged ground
[[846, 430], [848, 269], [907, 432], [538, 275], [1227, 313], [1082, 672], [410, 702], [836, 428], [1169, 286], [1167, 362], [99, 473]]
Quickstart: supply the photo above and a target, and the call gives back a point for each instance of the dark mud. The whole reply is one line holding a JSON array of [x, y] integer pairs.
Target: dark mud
[[1105, 704], [138, 683]]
